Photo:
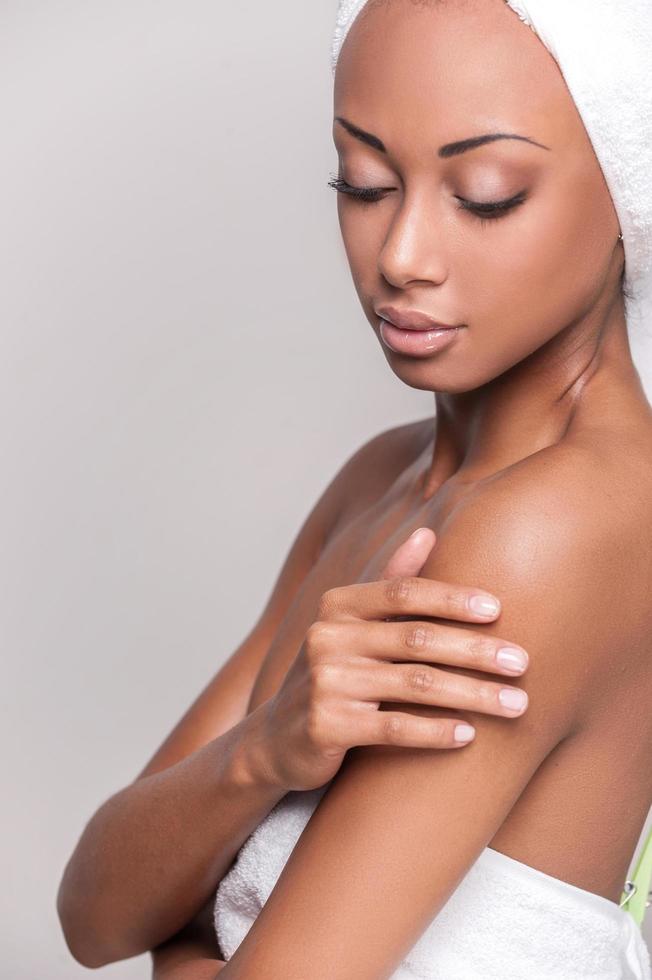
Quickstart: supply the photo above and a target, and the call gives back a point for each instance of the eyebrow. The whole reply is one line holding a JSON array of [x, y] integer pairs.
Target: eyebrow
[[448, 149]]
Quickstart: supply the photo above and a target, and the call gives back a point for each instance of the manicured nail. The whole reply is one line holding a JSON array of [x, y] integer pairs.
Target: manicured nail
[[464, 733], [415, 534], [484, 605], [511, 659], [510, 697]]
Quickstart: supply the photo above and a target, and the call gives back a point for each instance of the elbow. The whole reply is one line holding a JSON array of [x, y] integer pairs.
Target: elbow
[[86, 943], [85, 955], [91, 916], [79, 938]]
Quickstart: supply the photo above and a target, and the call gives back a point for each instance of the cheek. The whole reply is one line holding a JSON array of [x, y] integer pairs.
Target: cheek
[[362, 235], [537, 270], [564, 259]]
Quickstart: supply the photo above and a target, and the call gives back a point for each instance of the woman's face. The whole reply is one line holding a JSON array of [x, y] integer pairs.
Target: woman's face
[[419, 77]]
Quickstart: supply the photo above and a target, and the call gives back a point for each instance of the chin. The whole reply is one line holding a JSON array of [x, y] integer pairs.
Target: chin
[[426, 375]]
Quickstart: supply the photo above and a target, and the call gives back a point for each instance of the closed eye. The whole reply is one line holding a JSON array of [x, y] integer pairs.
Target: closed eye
[[485, 210], [368, 194], [491, 209]]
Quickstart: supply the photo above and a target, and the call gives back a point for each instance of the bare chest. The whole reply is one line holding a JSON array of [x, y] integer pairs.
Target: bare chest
[[357, 551]]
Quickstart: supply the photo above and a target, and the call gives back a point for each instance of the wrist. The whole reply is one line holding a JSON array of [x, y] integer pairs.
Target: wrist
[[249, 763]]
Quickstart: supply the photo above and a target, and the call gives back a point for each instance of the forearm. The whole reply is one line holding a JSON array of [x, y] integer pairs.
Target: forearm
[[154, 852]]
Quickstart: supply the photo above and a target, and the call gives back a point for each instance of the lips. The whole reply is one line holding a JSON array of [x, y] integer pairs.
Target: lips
[[411, 319]]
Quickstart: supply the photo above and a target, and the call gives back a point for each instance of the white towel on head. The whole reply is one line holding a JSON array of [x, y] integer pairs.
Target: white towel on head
[[604, 51]]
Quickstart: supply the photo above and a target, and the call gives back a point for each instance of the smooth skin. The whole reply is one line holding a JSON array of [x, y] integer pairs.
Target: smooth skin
[[535, 475], [148, 862], [324, 704], [538, 486]]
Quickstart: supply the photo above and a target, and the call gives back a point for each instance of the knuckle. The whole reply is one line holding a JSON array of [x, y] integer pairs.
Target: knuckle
[[393, 727], [480, 648], [400, 590], [324, 676], [439, 729], [329, 603], [486, 695], [418, 637], [316, 636], [455, 600], [421, 678]]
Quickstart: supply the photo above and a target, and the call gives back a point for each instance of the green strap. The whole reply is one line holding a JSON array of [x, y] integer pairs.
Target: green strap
[[635, 904]]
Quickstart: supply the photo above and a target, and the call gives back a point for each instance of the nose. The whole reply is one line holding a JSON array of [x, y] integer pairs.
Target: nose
[[413, 249]]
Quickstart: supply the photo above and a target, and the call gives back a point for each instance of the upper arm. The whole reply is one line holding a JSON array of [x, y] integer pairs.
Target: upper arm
[[224, 701], [399, 828]]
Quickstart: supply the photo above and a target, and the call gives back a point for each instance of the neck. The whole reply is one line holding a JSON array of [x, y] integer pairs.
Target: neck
[[532, 405]]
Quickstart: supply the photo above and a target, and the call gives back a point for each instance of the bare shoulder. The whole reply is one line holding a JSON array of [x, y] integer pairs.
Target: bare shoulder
[[569, 527], [560, 539], [376, 464], [386, 453], [600, 485]]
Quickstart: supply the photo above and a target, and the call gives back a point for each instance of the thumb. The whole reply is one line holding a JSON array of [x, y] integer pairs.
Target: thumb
[[410, 556]]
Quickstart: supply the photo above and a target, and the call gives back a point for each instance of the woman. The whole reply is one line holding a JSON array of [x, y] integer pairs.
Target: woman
[[505, 858]]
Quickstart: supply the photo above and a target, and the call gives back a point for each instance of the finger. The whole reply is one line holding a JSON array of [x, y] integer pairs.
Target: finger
[[402, 728], [410, 556], [419, 640], [423, 684], [408, 596]]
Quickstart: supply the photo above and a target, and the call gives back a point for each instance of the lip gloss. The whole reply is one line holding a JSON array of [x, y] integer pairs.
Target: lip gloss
[[418, 343]]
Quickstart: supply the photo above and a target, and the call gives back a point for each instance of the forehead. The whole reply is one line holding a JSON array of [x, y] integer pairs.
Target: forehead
[[450, 67]]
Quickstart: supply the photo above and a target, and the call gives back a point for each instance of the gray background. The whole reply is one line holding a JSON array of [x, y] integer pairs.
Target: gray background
[[183, 367]]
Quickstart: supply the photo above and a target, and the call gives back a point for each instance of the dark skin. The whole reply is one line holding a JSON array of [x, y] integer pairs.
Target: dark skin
[[536, 474]]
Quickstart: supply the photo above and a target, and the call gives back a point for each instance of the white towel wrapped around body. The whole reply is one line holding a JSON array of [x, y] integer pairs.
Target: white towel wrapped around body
[[504, 921]]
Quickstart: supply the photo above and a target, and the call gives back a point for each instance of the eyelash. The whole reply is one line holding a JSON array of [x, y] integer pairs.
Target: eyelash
[[482, 210]]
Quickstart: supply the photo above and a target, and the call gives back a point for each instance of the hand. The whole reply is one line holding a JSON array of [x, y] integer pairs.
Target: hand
[[356, 655]]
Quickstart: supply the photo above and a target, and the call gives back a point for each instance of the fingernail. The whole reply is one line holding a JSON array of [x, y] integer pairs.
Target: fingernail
[[416, 533], [511, 658], [509, 697], [484, 605], [464, 733]]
